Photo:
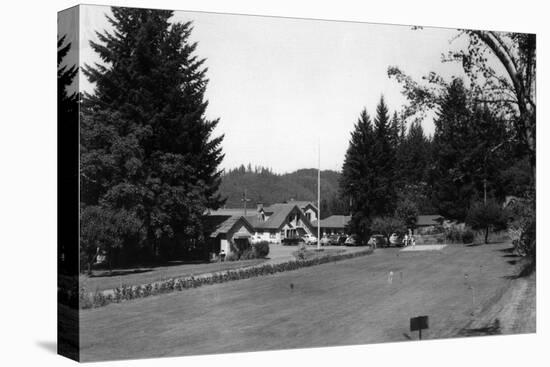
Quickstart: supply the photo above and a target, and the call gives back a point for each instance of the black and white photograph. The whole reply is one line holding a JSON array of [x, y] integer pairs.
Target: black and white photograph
[[235, 183]]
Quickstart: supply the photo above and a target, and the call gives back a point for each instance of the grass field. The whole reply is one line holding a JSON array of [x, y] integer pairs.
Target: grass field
[[342, 303]]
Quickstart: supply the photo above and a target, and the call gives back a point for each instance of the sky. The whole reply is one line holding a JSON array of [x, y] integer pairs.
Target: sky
[[283, 87]]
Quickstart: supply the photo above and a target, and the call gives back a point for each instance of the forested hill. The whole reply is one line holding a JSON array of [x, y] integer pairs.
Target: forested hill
[[264, 186]]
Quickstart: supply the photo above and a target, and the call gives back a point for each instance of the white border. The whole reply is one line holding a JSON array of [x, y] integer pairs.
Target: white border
[[28, 181]]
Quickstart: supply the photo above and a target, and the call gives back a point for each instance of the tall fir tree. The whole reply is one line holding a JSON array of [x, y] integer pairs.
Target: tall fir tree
[[357, 183], [470, 149], [67, 99], [147, 148], [384, 161]]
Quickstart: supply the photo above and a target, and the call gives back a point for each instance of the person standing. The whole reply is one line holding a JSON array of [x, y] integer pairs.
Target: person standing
[[222, 255]]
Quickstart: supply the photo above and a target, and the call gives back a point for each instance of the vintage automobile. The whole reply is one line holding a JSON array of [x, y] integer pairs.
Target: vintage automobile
[[352, 241], [325, 241], [309, 239]]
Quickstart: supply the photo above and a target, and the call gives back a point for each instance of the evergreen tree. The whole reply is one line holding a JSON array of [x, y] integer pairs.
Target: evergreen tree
[[384, 161], [471, 146], [450, 183], [147, 149], [67, 106], [396, 130], [67, 125], [414, 155], [358, 181]]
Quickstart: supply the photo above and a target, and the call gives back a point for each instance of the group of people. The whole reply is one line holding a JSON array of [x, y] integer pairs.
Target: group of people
[[408, 239]]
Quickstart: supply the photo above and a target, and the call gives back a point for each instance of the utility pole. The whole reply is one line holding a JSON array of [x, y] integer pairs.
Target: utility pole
[[245, 200]]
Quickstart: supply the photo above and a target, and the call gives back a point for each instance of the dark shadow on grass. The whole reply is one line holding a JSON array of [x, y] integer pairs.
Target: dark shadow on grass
[[115, 273], [48, 345], [474, 244], [489, 329], [512, 262], [527, 268], [150, 265]]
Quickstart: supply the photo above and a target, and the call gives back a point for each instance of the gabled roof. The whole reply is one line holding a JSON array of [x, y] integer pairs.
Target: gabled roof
[[429, 220], [280, 212], [302, 204], [334, 221], [215, 225]]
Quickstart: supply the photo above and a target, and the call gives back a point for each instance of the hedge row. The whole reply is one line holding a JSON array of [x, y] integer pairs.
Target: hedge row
[[125, 293]]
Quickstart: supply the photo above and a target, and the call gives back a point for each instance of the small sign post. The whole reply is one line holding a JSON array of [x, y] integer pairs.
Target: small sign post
[[419, 323]]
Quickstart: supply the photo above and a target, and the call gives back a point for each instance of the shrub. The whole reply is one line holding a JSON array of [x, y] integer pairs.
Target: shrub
[[261, 249], [248, 254], [487, 216], [84, 300], [453, 234], [467, 236], [233, 256]]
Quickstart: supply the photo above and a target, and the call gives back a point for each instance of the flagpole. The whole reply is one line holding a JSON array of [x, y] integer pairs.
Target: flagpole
[[319, 196]]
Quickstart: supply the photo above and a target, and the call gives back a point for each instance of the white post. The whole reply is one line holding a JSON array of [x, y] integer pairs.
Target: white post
[[319, 198]]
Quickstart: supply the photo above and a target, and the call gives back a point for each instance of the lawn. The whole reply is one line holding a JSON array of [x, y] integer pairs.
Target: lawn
[[341, 303], [102, 280]]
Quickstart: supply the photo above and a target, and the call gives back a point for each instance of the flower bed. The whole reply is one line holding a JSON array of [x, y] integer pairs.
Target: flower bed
[[125, 293]]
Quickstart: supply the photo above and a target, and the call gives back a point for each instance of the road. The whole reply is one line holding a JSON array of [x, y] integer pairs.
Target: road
[[341, 303]]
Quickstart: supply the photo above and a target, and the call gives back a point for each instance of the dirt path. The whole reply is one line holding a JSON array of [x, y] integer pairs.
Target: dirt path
[[514, 312]]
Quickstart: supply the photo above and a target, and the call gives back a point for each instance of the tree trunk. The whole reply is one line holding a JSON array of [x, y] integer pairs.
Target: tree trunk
[[486, 235]]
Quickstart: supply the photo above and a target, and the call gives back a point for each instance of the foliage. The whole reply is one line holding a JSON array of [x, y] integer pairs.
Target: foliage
[[261, 249], [522, 227], [513, 88], [407, 212], [102, 230], [232, 256], [368, 173], [258, 250], [501, 70], [468, 236], [147, 150], [454, 233], [487, 216], [388, 225], [266, 187], [467, 165], [126, 293], [66, 101]]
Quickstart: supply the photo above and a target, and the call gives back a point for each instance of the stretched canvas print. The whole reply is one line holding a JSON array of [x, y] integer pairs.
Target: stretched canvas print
[[234, 183]]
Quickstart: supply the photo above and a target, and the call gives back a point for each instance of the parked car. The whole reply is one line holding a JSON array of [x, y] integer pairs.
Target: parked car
[[292, 241], [378, 240], [352, 241], [333, 240], [309, 239], [396, 240], [342, 240]]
